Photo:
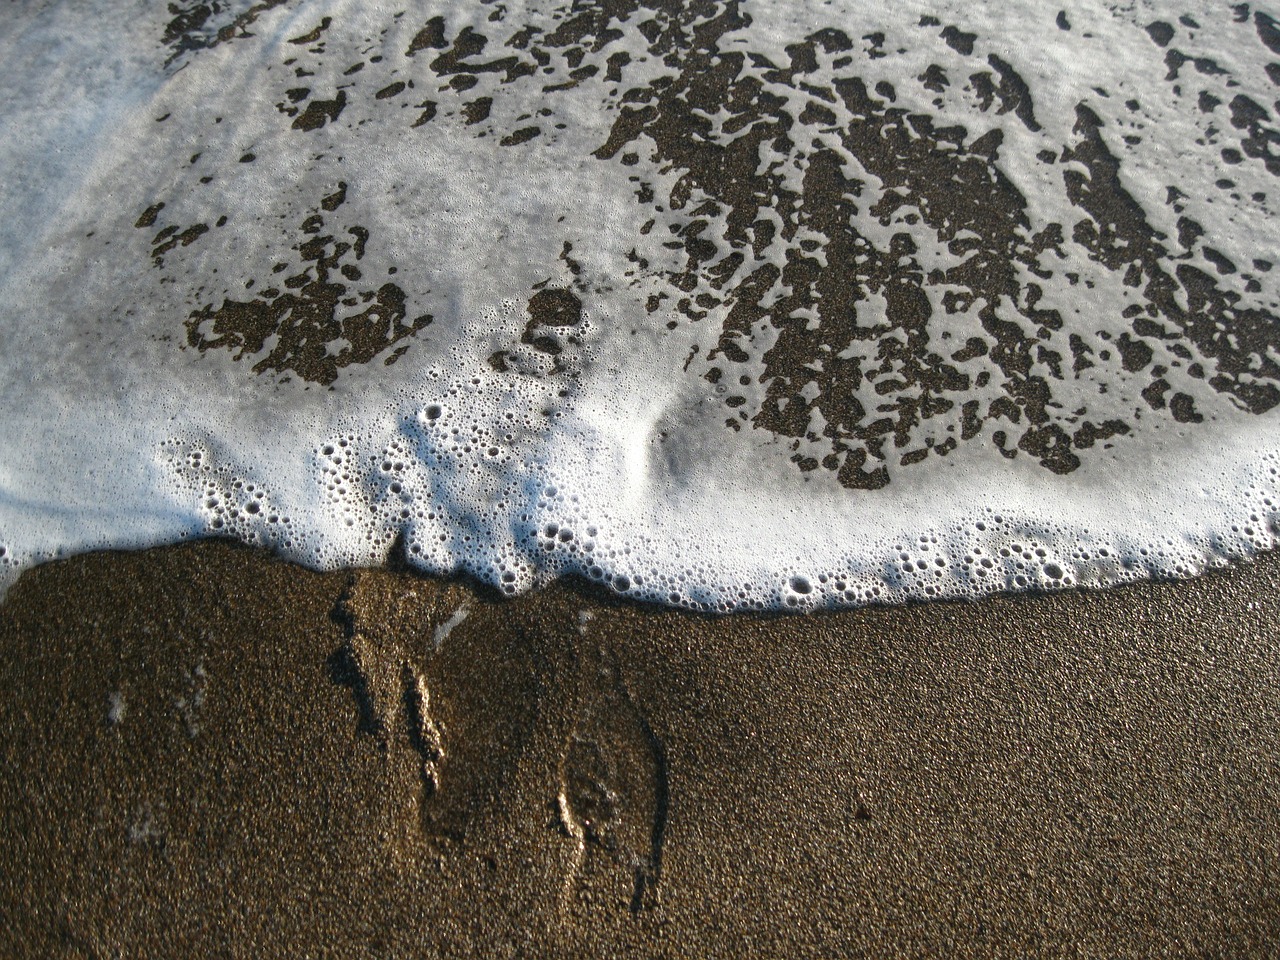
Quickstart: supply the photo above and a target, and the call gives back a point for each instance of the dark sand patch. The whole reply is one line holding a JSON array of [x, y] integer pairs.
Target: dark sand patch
[[210, 752]]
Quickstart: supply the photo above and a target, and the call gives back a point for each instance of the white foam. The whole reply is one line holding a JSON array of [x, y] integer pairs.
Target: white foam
[[611, 458]]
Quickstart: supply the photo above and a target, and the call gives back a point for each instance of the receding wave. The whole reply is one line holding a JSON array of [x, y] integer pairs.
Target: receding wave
[[723, 304]]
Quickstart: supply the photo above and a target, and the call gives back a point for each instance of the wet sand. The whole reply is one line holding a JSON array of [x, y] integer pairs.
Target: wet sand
[[210, 752]]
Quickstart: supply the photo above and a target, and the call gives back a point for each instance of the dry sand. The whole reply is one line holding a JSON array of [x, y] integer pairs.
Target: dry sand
[[210, 752]]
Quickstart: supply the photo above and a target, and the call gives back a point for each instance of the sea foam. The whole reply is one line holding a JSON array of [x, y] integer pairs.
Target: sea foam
[[721, 304]]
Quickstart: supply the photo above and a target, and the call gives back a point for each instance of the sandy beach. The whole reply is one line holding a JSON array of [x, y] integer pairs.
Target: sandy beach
[[210, 752], [722, 305]]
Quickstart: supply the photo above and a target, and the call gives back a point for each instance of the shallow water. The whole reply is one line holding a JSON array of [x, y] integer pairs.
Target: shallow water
[[725, 304]]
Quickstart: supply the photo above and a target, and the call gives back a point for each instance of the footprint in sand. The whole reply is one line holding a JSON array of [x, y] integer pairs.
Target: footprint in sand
[[392, 699], [613, 794]]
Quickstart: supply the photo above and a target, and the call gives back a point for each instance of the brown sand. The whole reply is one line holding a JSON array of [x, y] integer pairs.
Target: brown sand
[[209, 752]]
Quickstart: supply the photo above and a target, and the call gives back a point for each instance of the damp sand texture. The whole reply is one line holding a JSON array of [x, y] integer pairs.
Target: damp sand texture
[[210, 752]]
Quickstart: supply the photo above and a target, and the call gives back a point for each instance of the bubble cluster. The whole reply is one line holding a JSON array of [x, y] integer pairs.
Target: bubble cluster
[[468, 484]]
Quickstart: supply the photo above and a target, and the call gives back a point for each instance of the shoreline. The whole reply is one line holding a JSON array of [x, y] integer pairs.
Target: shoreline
[[212, 750]]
